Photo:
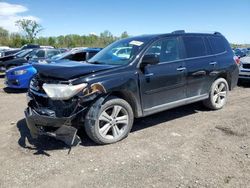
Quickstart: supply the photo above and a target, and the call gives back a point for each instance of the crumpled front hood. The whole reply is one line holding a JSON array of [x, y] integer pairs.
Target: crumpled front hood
[[67, 70]]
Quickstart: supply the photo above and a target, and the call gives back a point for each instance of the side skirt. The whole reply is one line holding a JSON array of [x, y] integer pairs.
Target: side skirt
[[174, 104]]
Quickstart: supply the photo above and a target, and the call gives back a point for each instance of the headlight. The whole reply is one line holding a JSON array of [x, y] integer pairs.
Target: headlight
[[20, 72], [62, 91]]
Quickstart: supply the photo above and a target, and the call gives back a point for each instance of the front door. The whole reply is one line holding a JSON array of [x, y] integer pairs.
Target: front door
[[164, 82]]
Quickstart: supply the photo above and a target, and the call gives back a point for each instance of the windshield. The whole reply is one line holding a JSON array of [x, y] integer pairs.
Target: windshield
[[58, 56], [23, 53], [63, 55], [121, 52]]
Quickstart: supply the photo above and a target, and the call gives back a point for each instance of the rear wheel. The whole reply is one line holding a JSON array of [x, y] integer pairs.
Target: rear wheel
[[112, 123], [218, 94]]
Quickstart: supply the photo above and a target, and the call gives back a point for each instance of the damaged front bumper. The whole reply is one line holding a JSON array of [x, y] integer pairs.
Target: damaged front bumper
[[59, 128], [58, 118]]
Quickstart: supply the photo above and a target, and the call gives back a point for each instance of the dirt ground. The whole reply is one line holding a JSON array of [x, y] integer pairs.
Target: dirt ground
[[184, 147]]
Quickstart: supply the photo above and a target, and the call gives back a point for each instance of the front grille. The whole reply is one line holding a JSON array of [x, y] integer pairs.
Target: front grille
[[246, 66]]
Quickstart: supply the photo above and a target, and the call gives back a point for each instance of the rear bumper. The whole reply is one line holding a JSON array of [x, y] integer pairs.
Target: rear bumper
[[59, 128]]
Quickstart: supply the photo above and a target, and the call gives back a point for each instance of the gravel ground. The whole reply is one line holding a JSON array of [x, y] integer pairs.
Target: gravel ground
[[184, 147]]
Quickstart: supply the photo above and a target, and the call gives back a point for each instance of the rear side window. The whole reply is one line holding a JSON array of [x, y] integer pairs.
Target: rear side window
[[217, 45], [194, 46]]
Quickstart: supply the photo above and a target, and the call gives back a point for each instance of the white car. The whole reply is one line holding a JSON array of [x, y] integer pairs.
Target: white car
[[244, 69], [122, 52]]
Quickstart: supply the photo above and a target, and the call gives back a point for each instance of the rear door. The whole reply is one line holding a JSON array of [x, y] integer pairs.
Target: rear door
[[200, 65], [164, 82]]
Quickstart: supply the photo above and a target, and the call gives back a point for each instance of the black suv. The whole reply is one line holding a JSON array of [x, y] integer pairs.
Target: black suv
[[153, 73]]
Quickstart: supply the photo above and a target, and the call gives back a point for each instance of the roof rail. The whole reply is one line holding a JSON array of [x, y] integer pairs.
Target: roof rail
[[217, 33], [178, 31]]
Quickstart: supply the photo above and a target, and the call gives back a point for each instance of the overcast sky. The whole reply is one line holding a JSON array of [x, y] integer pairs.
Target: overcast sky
[[60, 17]]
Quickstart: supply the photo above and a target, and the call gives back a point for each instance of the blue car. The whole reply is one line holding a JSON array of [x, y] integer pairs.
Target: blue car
[[19, 77]]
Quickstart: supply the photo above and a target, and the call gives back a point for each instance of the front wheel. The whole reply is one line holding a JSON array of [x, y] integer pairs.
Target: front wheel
[[111, 122], [218, 95]]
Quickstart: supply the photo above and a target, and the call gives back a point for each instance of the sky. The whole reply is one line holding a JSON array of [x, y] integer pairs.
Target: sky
[[60, 17]]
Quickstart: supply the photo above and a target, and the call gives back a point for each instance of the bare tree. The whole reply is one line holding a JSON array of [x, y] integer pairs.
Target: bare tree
[[30, 27]]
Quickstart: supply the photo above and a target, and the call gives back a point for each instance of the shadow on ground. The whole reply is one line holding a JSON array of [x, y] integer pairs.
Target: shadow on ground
[[244, 83], [11, 90], [44, 143]]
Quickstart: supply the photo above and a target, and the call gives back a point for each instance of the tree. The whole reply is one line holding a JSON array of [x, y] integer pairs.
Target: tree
[[30, 27], [4, 36], [124, 35]]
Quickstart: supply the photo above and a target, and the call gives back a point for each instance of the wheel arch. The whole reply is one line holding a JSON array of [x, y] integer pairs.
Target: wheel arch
[[130, 98], [227, 77]]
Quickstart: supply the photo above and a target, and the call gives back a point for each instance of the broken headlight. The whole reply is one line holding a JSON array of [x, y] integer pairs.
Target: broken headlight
[[62, 91]]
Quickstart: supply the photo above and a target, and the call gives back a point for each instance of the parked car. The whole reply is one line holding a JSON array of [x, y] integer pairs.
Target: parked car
[[106, 93], [37, 55], [123, 52], [9, 52], [82, 54], [30, 46], [240, 52], [244, 70], [19, 77], [21, 54]]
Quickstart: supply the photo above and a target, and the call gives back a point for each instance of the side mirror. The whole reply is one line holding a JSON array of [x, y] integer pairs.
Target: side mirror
[[150, 59]]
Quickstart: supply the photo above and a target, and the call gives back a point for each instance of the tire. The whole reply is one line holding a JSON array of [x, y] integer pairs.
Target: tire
[[218, 95], [102, 121]]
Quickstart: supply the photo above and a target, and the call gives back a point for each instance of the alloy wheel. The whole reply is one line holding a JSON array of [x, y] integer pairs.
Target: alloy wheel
[[113, 121], [220, 94]]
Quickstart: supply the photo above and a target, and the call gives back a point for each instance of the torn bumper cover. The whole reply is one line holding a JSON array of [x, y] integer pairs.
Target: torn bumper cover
[[59, 128]]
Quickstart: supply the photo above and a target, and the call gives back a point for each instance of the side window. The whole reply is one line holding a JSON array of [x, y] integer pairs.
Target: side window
[[51, 53], [217, 45], [91, 54], [79, 56], [39, 54], [166, 49], [194, 46]]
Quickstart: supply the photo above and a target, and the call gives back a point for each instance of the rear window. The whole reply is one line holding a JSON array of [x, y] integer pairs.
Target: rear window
[[194, 46], [217, 44]]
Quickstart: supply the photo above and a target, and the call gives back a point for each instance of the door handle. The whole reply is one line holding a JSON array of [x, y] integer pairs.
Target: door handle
[[213, 63], [149, 74], [181, 69]]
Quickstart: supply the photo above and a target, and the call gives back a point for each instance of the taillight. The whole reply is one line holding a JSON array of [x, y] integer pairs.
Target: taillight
[[237, 60]]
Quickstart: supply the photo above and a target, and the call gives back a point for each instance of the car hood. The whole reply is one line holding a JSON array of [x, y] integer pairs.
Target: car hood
[[67, 70], [5, 58], [22, 67], [245, 59]]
